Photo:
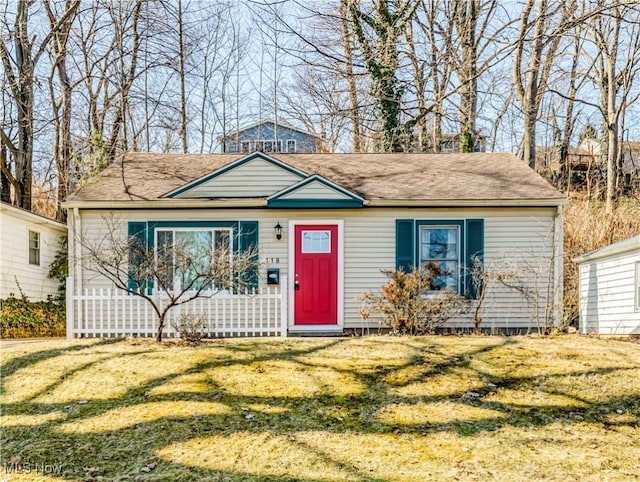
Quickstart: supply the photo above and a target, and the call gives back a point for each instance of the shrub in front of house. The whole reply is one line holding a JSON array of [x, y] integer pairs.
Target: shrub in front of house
[[191, 327], [411, 302], [21, 318]]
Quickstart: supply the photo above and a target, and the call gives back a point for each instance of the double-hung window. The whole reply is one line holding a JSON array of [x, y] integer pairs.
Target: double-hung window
[[441, 245], [454, 245], [193, 258], [34, 248], [637, 285]]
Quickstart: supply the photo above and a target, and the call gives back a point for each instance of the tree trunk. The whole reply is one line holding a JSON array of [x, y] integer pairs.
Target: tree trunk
[[465, 18], [61, 108], [181, 74], [354, 114]]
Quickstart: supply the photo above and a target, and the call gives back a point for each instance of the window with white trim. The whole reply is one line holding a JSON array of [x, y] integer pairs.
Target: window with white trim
[[246, 146], [291, 145], [34, 248], [441, 245], [637, 285], [187, 255], [316, 241]]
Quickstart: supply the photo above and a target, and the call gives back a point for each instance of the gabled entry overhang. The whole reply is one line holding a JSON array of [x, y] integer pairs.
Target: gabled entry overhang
[[315, 192]]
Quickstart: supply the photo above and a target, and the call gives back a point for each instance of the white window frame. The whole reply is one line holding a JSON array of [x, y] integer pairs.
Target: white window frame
[[295, 145], [310, 251], [38, 247], [248, 145], [459, 260], [637, 277], [212, 230]]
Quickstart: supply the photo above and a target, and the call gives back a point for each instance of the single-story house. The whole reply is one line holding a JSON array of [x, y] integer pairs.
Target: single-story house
[[610, 289], [29, 244], [329, 223]]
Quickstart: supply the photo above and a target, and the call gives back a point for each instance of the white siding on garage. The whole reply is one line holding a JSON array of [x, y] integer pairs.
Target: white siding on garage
[[607, 295], [517, 240], [16, 274], [255, 178]]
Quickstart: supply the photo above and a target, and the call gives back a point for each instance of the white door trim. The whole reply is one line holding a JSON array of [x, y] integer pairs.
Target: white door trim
[[291, 235]]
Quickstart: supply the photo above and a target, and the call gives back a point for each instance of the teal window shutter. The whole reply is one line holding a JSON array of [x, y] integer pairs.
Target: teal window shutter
[[248, 239], [137, 232], [405, 241], [475, 250]]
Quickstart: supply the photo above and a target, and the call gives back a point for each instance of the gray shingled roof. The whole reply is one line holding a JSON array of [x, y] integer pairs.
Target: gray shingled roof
[[410, 177]]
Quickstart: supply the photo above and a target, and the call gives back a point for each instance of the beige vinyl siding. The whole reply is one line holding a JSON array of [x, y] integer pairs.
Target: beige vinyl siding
[[607, 295], [517, 240], [315, 190], [255, 178], [16, 274]]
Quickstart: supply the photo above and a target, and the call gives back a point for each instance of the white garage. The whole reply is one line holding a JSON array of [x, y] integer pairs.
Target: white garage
[[610, 289]]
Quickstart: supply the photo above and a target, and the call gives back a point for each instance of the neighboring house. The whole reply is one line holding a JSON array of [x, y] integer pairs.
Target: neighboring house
[[587, 156], [610, 289], [630, 160], [344, 218], [451, 143], [29, 244], [261, 137]]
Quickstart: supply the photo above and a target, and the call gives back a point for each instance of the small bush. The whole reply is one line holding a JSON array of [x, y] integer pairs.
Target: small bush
[[21, 318], [405, 304], [191, 327]]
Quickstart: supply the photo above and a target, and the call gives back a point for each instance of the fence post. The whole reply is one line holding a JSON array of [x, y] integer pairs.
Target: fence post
[[69, 307], [284, 306]]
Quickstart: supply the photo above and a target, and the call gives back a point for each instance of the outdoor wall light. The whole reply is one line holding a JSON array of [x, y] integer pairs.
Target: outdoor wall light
[[278, 229]]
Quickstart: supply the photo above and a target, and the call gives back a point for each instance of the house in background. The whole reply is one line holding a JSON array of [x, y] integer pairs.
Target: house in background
[[29, 244], [587, 158], [451, 143], [261, 137], [610, 289], [329, 223]]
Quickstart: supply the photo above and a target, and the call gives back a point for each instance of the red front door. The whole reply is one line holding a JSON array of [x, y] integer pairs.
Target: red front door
[[315, 275]]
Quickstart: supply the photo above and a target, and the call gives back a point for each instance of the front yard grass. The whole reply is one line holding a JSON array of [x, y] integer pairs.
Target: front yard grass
[[363, 409]]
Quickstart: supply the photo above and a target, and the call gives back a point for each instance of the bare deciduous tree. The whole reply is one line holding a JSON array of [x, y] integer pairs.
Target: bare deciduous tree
[[174, 273], [19, 64]]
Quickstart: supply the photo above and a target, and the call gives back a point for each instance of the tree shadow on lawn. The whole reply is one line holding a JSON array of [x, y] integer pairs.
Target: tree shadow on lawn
[[243, 436], [14, 364]]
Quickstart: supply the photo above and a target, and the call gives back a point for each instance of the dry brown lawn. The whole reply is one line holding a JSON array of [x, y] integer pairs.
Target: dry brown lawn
[[358, 409]]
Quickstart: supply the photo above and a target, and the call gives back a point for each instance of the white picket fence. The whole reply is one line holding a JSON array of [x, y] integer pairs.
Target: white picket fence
[[113, 312]]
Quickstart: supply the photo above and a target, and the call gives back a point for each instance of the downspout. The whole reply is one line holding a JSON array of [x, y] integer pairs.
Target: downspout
[[77, 261], [77, 249]]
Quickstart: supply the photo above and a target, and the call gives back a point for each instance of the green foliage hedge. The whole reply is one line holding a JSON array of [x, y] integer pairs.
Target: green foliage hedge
[[21, 318]]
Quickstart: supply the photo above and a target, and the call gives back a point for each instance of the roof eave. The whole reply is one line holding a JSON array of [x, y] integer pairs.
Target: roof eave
[[198, 203], [551, 202], [166, 203], [606, 252], [32, 217]]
